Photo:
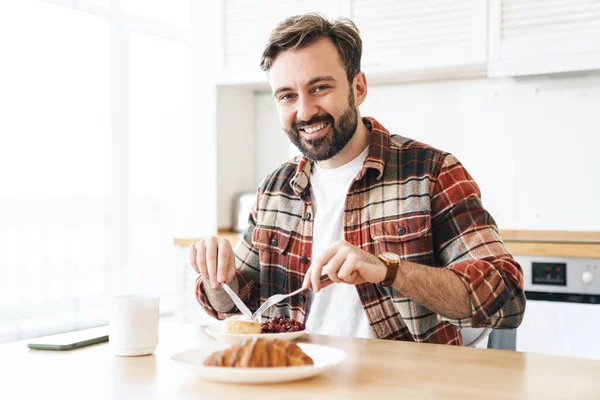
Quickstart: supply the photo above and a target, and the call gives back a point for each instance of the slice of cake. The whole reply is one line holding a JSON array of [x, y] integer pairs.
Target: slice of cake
[[241, 324]]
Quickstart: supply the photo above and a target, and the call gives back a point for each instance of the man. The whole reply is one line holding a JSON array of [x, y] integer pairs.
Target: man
[[397, 225]]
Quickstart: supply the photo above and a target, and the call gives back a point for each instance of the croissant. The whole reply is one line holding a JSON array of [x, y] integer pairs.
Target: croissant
[[259, 353]]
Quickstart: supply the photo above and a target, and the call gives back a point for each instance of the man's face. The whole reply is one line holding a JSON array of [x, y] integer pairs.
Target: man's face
[[314, 99]]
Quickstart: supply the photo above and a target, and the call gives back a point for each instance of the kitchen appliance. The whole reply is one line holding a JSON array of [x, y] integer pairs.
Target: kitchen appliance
[[242, 205], [562, 315]]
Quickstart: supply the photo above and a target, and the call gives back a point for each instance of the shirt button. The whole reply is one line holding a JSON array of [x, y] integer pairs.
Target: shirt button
[[303, 259], [307, 216], [401, 231], [274, 242], [302, 299]]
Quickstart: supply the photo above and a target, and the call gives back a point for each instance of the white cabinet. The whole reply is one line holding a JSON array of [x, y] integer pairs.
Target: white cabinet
[[430, 39], [421, 35], [555, 123], [529, 37], [246, 26], [401, 40], [561, 329]]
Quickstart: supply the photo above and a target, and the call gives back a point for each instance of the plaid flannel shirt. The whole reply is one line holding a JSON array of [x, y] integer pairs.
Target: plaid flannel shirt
[[409, 199]]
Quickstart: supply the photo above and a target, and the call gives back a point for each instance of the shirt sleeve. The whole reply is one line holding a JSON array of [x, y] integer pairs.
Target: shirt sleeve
[[247, 272], [468, 243]]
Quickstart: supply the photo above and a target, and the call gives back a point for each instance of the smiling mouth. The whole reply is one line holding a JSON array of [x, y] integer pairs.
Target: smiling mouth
[[316, 131]]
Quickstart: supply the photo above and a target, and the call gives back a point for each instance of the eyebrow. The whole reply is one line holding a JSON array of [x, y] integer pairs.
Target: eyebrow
[[327, 78]]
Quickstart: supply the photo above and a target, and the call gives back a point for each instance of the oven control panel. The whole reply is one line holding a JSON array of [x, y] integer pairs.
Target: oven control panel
[[561, 275], [547, 273]]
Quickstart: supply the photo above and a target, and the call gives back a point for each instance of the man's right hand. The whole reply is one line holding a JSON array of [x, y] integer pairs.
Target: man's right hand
[[213, 258]]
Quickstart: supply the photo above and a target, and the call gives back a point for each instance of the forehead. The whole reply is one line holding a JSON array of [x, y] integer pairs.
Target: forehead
[[295, 68]]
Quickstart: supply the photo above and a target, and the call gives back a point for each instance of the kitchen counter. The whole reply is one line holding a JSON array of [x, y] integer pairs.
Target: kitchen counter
[[553, 243], [524, 243], [378, 369]]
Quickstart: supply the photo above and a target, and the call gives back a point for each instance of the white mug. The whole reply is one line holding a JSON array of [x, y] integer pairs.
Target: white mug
[[133, 327]]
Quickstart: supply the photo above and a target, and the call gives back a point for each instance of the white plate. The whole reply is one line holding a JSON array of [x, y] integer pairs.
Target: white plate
[[325, 358], [237, 338]]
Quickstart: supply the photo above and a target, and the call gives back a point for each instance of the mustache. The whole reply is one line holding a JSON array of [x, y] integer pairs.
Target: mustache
[[298, 124]]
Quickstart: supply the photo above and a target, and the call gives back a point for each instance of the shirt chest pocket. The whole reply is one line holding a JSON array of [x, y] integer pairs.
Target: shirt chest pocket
[[408, 236], [272, 244]]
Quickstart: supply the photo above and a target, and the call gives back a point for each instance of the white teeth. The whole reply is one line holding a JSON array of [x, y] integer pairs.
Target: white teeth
[[316, 128]]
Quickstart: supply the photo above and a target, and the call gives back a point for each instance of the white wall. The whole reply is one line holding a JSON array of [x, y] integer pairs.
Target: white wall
[[235, 147], [272, 146], [530, 143], [251, 144]]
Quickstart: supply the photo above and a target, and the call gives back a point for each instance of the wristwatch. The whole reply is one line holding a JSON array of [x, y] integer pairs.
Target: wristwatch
[[392, 261]]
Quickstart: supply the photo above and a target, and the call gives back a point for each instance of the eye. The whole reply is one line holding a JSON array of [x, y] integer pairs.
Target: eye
[[286, 97], [321, 88]]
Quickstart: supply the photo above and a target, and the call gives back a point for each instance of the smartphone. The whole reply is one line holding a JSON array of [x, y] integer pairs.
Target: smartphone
[[70, 340]]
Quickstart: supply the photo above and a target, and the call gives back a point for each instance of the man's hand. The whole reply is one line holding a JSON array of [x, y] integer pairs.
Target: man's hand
[[344, 262], [213, 258]]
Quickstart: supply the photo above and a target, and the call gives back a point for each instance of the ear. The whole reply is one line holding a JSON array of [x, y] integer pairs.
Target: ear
[[359, 85]]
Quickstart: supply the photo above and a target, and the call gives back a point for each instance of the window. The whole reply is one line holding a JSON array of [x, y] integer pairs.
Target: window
[[94, 116]]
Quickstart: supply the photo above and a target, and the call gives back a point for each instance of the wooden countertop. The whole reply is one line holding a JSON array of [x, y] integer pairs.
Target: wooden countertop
[[525, 243], [578, 237], [373, 369]]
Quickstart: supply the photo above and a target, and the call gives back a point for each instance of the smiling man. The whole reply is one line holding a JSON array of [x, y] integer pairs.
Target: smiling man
[[397, 225]]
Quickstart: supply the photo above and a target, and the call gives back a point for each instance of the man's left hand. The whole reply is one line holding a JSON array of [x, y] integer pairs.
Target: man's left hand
[[344, 262]]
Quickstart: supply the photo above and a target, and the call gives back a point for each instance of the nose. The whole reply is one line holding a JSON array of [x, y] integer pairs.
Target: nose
[[306, 108]]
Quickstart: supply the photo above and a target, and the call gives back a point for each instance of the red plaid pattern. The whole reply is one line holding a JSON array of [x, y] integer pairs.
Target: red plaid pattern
[[409, 199]]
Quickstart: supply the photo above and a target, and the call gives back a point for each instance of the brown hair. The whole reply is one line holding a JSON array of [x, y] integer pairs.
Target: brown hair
[[302, 30]]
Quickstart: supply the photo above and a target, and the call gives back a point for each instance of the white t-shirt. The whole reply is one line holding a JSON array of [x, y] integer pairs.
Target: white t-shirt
[[335, 310]]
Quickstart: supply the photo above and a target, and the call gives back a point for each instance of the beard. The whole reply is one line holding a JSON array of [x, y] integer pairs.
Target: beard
[[330, 144]]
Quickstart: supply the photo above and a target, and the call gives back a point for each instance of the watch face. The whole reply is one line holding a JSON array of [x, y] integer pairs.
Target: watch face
[[391, 256]]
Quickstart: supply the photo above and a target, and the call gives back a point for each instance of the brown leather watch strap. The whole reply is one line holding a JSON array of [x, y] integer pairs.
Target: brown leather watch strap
[[390, 275], [392, 261]]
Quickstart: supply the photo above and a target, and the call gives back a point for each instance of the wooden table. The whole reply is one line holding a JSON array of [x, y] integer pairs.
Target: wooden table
[[374, 369]]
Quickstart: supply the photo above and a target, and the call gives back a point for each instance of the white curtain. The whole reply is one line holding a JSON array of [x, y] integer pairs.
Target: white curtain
[[95, 120]]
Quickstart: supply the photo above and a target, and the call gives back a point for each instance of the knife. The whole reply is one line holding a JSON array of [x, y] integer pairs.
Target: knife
[[238, 302]]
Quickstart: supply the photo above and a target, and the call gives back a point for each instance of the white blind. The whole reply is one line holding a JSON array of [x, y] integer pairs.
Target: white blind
[[414, 33], [530, 28], [247, 24], [527, 18]]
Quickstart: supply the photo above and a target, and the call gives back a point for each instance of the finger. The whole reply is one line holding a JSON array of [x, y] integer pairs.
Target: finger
[[348, 271], [201, 261], [332, 267], [315, 276], [211, 260], [231, 269], [192, 257], [317, 267], [224, 258], [306, 283]]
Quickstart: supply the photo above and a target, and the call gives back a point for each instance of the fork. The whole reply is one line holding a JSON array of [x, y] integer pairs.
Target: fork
[[276, 298]]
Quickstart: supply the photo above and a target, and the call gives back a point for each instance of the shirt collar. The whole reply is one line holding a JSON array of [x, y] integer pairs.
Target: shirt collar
[[379, 149]]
